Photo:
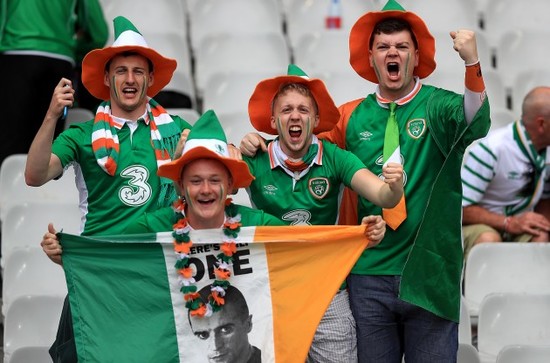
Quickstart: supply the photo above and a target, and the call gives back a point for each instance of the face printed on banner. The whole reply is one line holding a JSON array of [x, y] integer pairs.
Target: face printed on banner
[[394, 57], [224, 334], [205, 184], [294, 118], [128, 78]]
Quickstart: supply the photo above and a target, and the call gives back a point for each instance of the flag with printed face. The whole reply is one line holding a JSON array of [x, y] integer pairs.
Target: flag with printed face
[[127, 305]]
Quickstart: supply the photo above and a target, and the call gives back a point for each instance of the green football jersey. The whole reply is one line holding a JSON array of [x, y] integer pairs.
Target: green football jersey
[[429, 126], [110, 203], [310, 199], [426, 249]]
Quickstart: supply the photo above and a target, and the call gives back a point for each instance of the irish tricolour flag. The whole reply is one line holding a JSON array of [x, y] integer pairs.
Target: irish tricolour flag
[[127, 306]]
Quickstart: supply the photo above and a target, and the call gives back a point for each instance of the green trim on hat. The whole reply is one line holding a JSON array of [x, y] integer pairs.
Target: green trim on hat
[[393, 5], [207, 127], [294, 70], [121, 24]]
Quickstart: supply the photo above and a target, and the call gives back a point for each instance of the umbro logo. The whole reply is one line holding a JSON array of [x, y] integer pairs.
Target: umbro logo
[[270, 189], [365, 135], [514, 175]]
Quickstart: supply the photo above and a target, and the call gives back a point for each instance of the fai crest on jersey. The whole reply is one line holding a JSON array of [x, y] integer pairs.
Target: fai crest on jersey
[[416, 127], [319, 187]]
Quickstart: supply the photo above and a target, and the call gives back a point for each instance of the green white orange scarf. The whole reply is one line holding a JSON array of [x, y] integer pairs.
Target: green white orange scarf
[[165, 134], [296, 169], [538, 162]]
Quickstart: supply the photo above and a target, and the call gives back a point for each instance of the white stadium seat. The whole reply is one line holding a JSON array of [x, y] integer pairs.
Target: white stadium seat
[[506, 268], [29, 272], [16, 191], [467, 353], [228, 53], [25, 224], [524, 353], [324, 51], [31, 354], [31, 321], [209, 17], [230, 92], [510, 318], [77, 115]]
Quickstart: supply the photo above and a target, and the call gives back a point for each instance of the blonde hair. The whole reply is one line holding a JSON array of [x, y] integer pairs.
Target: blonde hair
[[298, 87]]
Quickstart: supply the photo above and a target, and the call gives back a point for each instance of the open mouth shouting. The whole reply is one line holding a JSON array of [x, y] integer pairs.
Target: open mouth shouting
[[130, 91], [295, 132], [393, 70]]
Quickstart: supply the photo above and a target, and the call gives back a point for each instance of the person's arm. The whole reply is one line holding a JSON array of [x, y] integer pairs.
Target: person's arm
[[50, 245], [464, 42], [475, 214], [384, 193], [42, 165], [138, 226], [269, 220], [529, 222], [92, 30], [161, 220]]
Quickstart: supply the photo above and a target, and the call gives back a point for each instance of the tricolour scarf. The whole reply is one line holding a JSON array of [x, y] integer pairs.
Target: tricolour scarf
[[296, 169], [164, 137], [538, 161]]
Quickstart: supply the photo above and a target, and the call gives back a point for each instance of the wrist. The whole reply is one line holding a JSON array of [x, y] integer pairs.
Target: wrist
[[506, 224]]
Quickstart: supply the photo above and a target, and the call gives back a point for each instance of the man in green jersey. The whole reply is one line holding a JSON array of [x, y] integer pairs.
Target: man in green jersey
[[116, 155], [299, 179], [405, 292]]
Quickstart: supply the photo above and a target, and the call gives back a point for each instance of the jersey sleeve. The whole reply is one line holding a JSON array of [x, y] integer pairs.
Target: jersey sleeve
[[257, 217], [68, 144], [160, 220], [92, 28], [140, 225], [269, 220], [446, 119], [346, 163], [477, 173]]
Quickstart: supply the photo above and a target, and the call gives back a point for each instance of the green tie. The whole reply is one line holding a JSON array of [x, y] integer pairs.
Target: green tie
[[391, 138], [395, 216]]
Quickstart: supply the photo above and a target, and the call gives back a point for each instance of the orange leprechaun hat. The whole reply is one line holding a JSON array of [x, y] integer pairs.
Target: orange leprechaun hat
[[127, 39], [361, 32], [261, 101]]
